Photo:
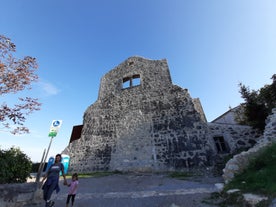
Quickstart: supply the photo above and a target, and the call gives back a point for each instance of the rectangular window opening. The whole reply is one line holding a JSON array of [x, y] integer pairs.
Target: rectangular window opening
[[132, 81], [221, 145], [126, 82], [136, 80]]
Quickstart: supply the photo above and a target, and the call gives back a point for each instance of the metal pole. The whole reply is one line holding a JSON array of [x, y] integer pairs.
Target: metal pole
[[47, 152], [40, 166], [43, 163]]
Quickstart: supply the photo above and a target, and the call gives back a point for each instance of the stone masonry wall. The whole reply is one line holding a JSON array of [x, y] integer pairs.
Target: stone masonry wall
[[19, 195], [237, 137], [152, 126]]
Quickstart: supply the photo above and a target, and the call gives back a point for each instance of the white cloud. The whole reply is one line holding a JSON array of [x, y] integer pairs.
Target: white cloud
[[48, 88]]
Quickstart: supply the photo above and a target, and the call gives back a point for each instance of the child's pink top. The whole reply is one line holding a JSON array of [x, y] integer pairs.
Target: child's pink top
[[73, 187]]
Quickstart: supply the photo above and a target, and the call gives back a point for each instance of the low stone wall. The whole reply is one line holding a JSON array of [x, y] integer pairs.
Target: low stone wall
[[240, 161], [236, 136], [19, 195], [270, 128]]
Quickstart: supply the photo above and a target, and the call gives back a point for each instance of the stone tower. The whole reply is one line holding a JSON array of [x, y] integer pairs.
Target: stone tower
[[141, 122]]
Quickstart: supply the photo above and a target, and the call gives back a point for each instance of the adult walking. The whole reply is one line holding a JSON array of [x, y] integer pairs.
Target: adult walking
[[52, 180]]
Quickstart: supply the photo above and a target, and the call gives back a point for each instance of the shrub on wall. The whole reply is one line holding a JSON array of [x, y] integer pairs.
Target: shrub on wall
[[15, 166]]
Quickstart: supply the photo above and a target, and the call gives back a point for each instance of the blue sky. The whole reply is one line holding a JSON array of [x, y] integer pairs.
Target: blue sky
[[210, 45]]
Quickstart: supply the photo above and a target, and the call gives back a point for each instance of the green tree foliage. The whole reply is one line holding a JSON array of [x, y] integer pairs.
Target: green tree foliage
[[258, 105], [16, 75], [15, 166]]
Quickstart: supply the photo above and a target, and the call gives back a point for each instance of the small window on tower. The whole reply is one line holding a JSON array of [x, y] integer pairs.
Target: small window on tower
[[136, 80], [126, 82], [132, 81]]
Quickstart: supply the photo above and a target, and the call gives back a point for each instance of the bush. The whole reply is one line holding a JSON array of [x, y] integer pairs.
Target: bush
[[15, 166]]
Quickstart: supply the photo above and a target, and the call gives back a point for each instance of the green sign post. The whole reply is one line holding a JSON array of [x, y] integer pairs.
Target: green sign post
[[53, 132], [54, 128], [55, 125]]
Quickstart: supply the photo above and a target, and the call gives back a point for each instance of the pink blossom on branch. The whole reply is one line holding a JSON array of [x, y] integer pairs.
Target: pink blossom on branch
[[16, 75]]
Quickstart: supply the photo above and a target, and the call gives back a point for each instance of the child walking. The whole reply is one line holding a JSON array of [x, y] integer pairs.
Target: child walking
[[73, 185]]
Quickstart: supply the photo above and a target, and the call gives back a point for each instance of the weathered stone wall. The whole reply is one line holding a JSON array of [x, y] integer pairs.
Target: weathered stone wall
[[19, 195], [270, 127], [150, 127], [199, 109], [237, 137], [240, 161]]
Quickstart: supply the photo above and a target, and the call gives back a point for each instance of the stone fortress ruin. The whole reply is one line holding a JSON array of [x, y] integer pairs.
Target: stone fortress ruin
[[141, 121]]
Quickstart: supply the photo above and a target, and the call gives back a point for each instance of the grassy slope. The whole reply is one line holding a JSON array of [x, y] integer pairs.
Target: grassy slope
[[260, 176]]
